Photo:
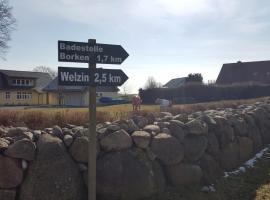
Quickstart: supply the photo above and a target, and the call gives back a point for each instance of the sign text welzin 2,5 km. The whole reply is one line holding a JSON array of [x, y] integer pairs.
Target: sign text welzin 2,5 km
[[93, 77], [83, 52]]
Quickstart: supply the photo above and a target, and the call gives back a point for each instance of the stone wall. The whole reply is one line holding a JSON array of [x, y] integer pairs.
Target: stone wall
[[136, 158]]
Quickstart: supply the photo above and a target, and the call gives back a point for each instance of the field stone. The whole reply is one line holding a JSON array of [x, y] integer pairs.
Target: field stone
[[82, 167], [128, 174], [19, 133], [167, 149], [113, 128], [132, 126], [184, 174], [164, 114], [181, 117], [211, 169], [166, 130], [77, 128], [150, 117], [245, 148], [79, 149], [141, 121], [212, 124], [151, 128], [70, 126], [68, 132], [195, 147], [118, 140], [57, 131], [141, 139], [3, 131], [167, 118], [3, 144], [24, 149], [11, 175], [197, 127], [162, 124], [9, 140], [229, 157], [53, 174], [24, 165], [102, 132], [29, 134], [224, 133], [176, 128], [7, 194], [256, 139], [68, 139], [36, 134], [213, 146]]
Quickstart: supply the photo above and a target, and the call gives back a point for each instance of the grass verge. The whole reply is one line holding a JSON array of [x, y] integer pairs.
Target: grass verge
[[38, 118], [254, 184]]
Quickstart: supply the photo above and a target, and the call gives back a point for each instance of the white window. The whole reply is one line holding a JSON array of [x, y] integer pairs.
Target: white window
[[31, 82], [29, 95], [22, 82], [24, 95], [19, 95], [7, 95]]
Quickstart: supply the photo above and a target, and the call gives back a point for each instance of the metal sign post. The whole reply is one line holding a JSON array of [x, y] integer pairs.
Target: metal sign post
[[92, 136], [91, 53]]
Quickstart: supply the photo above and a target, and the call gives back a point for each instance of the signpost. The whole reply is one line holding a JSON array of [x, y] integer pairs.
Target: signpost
[[91, 53]]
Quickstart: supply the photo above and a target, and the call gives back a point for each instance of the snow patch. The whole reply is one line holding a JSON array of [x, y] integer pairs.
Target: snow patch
[[248, 164], [208, 189]]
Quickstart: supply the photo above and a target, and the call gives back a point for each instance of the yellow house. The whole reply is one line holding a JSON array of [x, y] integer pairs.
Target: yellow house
[[75, 95], [37, 88], [23, 87]]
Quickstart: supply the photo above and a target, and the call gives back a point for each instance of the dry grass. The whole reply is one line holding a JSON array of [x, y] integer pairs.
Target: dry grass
[[38, 118]]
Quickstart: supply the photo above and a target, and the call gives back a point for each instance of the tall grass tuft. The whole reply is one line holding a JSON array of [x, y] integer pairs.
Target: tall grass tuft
[[43, 118]]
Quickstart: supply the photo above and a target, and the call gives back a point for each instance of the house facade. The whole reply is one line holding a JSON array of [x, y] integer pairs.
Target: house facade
[[23, 87], [37, 88], [75, 95]]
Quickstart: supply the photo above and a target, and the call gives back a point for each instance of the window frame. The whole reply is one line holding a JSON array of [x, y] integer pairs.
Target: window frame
[[7, 95]]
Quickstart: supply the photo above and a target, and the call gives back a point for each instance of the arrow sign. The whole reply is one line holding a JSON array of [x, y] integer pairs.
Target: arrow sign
[[73, 76], [107, 77], [83, 52]]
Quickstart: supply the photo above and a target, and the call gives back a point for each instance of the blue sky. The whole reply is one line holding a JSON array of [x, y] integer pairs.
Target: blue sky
[[165, 38]]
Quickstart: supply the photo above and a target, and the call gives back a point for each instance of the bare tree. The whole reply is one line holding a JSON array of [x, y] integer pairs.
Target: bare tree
[[7, 25], [126, 89], [152, 83], [45, 69]]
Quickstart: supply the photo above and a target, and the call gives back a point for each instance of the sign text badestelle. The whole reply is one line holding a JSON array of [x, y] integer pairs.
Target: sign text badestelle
[[83, 52]]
